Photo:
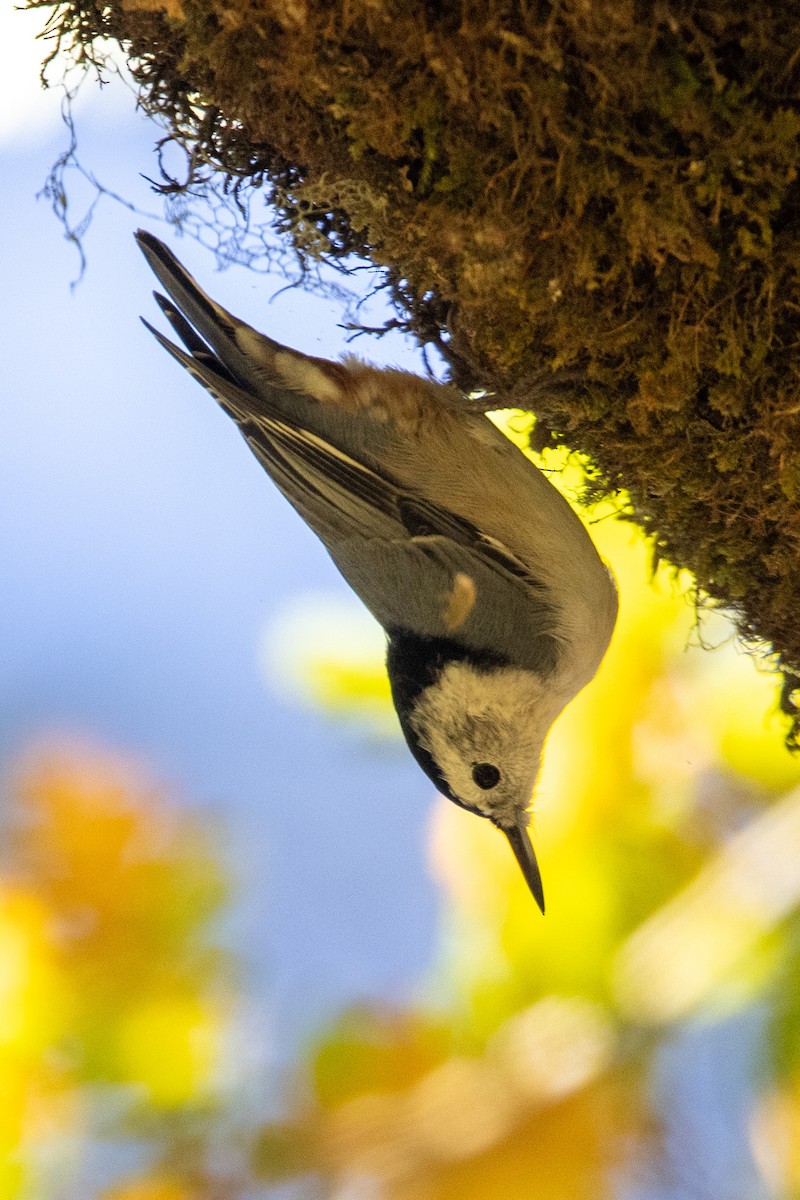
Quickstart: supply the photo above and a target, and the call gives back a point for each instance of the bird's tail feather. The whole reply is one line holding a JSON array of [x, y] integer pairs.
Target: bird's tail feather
[[196, 313], [204, 366]]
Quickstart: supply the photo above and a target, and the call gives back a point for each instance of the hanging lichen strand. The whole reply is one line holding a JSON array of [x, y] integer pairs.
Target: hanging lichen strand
[[601, 199]]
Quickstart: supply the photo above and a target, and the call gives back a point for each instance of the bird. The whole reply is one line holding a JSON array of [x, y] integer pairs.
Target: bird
[[496, 605]]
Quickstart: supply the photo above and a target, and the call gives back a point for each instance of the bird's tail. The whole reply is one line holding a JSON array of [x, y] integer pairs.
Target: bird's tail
[[193, 313], [221, 347]]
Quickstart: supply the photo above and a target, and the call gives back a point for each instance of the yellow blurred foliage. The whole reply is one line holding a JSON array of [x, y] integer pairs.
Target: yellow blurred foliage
[[151, 1188], [775, 1138], [34, 1007], [543, 1108], [326, 651], [169, 1046], [568, 1149], [102, 974], [466, 1132], [33, 993], [336, 684]]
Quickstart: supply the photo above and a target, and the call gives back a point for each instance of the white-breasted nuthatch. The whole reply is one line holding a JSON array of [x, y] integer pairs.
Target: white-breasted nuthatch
[[496, 605]]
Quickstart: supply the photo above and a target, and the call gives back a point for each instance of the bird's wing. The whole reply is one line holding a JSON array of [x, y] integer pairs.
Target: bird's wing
[[397, 549], [317, 475], [401, 553], [334, 493], [436, 588]]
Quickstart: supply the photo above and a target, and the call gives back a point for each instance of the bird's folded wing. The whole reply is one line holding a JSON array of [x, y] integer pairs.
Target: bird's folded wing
[[436, 588], [402, 553]]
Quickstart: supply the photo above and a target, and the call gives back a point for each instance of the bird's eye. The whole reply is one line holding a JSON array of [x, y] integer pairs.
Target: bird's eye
[[486, 775]]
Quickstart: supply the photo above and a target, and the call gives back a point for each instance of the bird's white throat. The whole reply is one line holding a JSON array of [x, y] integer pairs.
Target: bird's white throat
[[474, 715]]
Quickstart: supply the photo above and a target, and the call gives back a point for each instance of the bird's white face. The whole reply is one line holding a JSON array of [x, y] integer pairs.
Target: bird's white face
[[485, 730]]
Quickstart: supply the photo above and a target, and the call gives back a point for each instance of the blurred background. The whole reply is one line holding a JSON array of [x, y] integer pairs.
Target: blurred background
[[244, 951]]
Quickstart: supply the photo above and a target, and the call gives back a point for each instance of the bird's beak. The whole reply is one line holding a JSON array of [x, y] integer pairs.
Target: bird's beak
[[523, 852]]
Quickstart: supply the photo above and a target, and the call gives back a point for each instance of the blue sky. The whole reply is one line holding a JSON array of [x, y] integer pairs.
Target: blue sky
[[145, 552]]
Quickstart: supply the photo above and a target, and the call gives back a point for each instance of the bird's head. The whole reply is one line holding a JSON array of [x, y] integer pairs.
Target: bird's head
[[477, 727]]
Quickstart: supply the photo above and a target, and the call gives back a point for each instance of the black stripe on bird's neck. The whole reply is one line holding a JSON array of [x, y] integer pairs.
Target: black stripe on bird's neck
[[414, 663]]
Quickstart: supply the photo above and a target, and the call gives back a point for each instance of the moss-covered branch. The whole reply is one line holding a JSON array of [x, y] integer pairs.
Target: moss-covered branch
[[591, 208]]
